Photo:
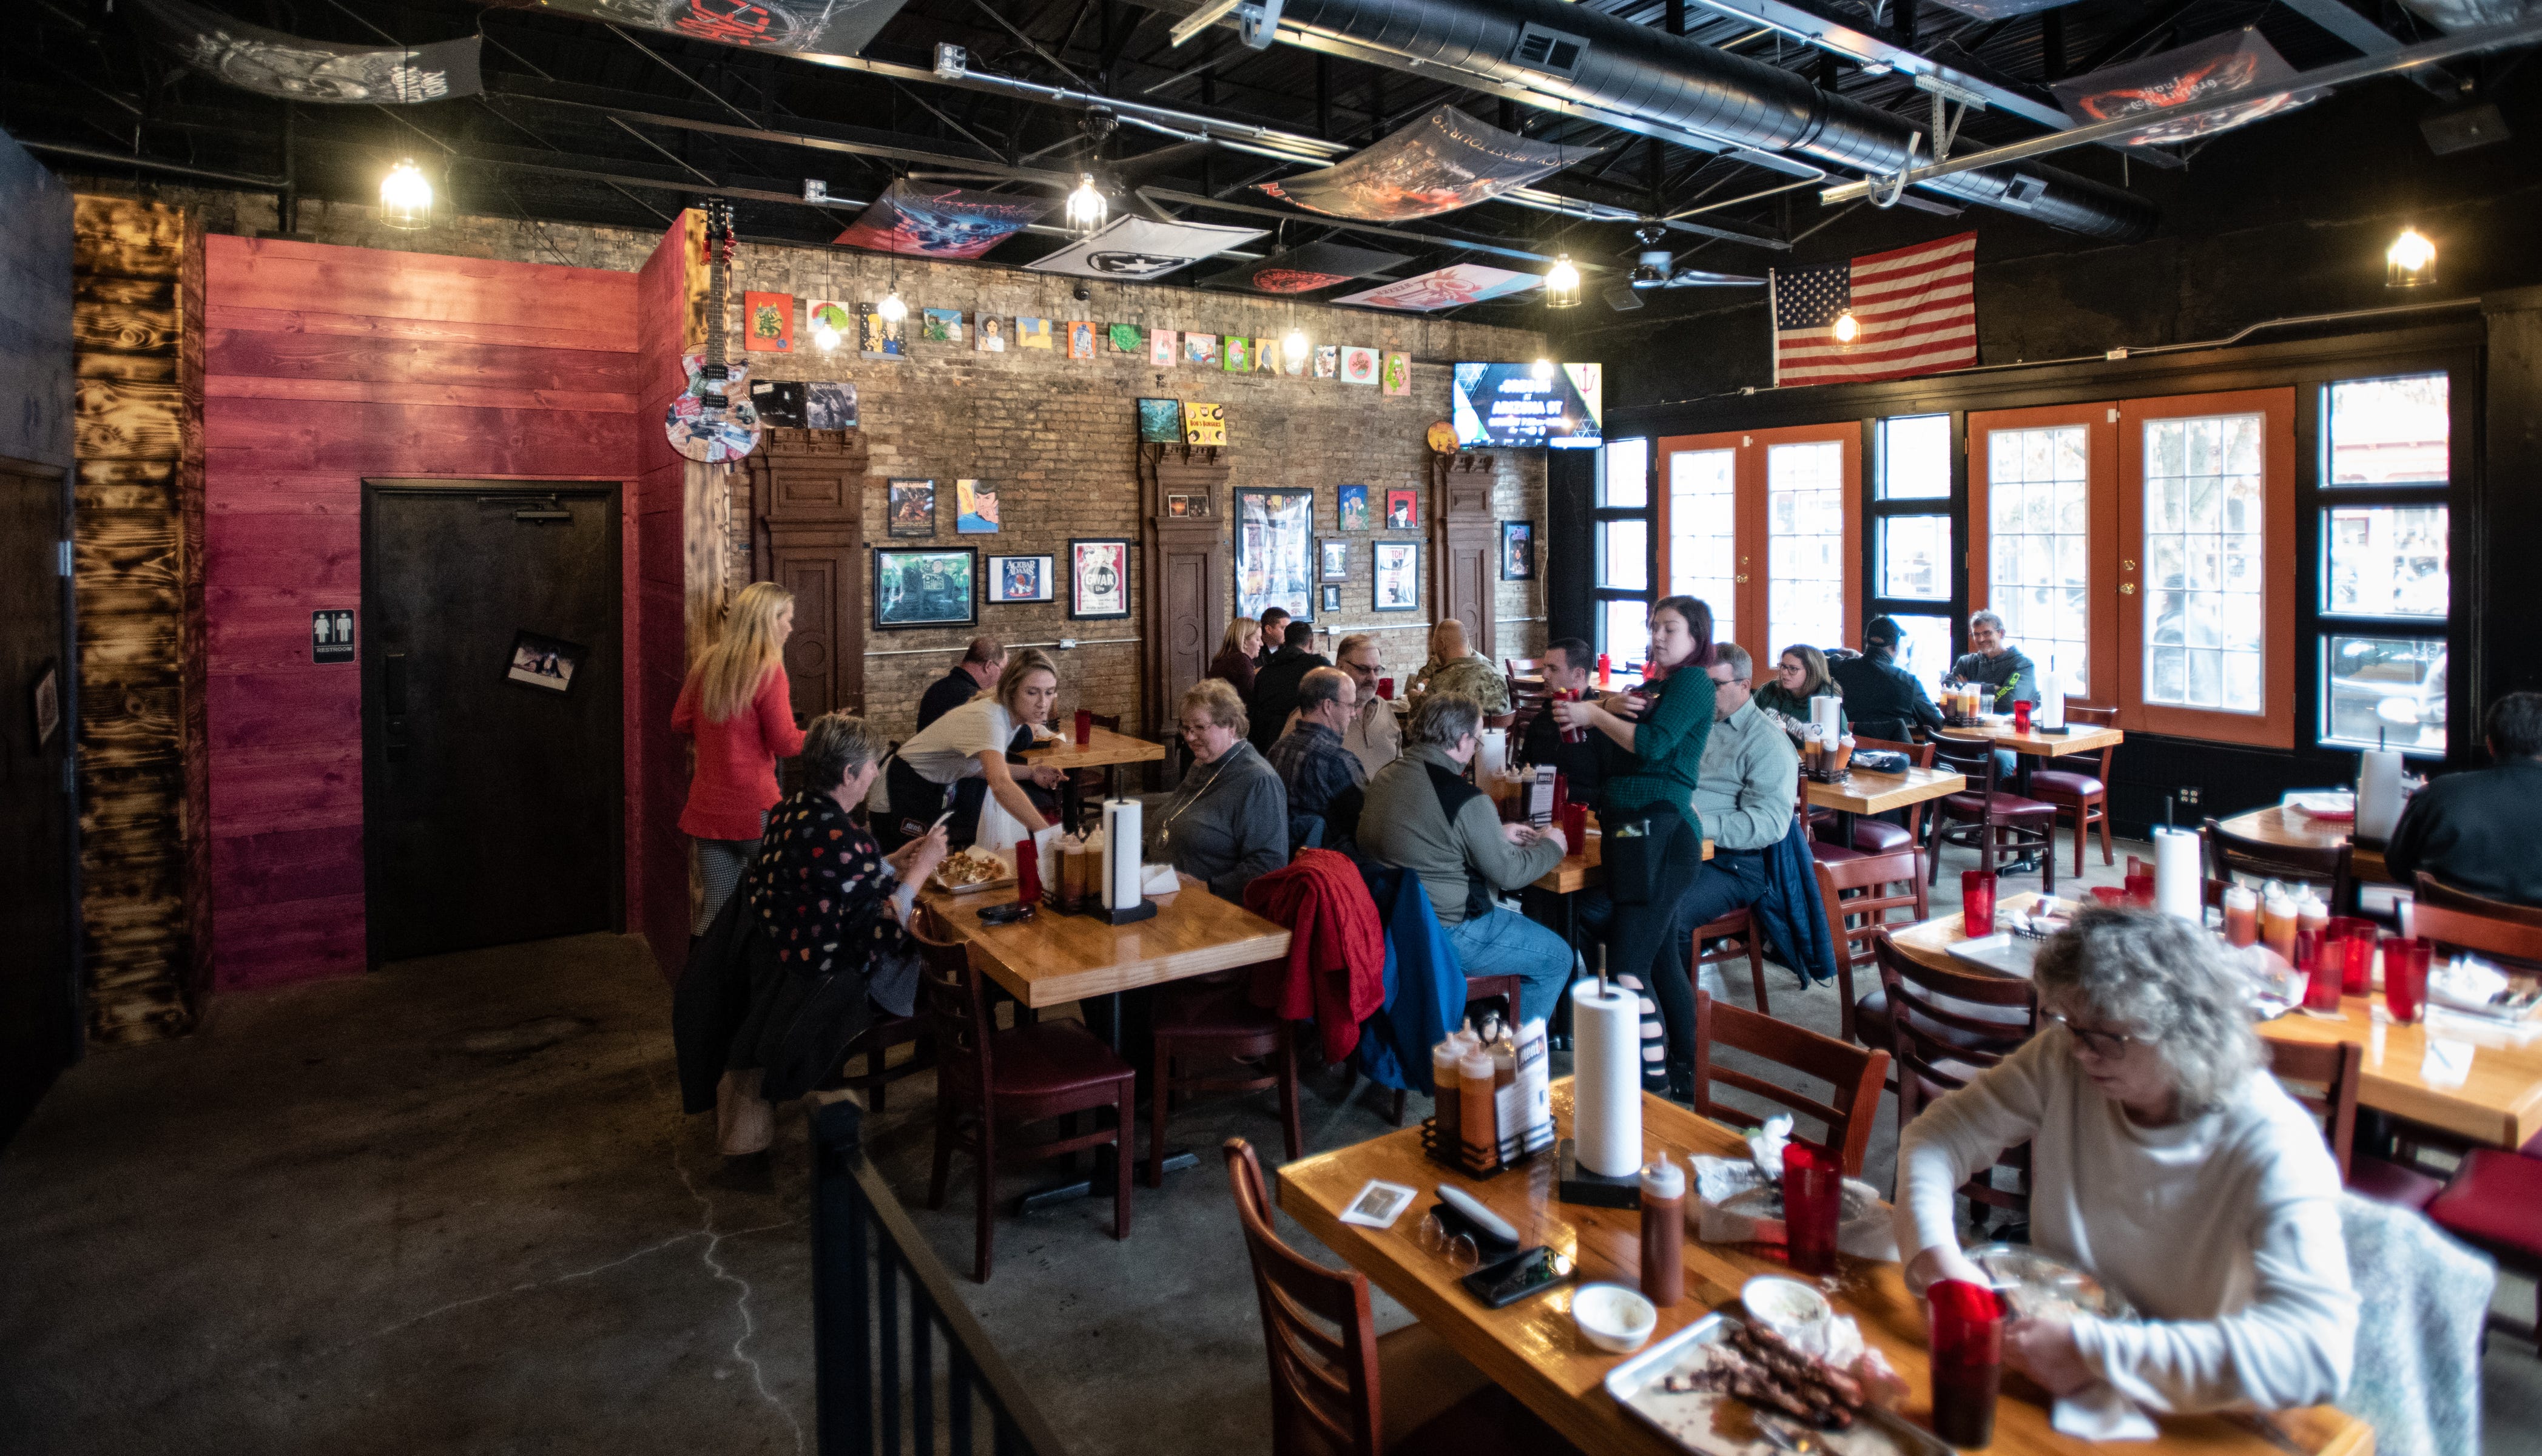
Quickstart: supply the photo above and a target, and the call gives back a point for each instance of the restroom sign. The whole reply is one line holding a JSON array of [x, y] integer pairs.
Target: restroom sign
[[330, 636]]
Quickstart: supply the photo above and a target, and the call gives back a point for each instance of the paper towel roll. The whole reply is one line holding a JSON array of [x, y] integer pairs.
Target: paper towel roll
[[1121, 829], [2050, 711], [2378, 793], [1494, 753], [2179, 885], [1828, 715], [1606, 1079]]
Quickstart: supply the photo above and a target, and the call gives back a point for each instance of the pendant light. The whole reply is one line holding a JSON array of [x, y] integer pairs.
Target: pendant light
[[1295, 346], [891, 308], [1543, 369], [406, 197], [1562, 284], [1847, 328], [1086, 209], [2411, 261]]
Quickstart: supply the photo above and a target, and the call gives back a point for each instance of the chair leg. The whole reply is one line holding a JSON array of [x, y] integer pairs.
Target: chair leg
[[1933, 855], [1395, 1111], [1844, 992], [1756, 967], [1124, 1121], [1289, 1123], [944, 1152], [2083, 831], [985, 1210], [2108, 857], [2048, 860], [1160, 1082]]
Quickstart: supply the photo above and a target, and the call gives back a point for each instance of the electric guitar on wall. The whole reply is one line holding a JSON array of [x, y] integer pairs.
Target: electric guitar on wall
[[712, 422]]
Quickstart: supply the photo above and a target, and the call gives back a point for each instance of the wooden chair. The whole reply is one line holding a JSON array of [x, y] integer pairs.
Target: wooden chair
[[2489, 1204], [2081, 787], [1989, 819], [874, 1044], [1854, 1073], [1522, 667], [1338, 1386], [1478, 989], [1499, 720], [2452, 929], [1874, 836], [1859, 896], [2229, 854], [2433, 891], [1208, 1019], [988, 1080], [1739, 928], [1946, 1027], [2337, 1068]]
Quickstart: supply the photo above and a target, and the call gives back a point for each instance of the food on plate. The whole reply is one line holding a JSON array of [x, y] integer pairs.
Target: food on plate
[[969, 867], [1761, 1368]]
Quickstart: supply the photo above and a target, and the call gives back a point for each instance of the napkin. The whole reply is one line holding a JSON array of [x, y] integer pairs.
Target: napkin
[[2447, 1064], [2098, 1413], [1768, 1142], [1866, 1231], [1159, 879]]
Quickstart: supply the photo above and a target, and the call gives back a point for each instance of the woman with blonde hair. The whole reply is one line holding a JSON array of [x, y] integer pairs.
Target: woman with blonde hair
[[1453, 667], [739, 709], [1238, 656], [971, 741]]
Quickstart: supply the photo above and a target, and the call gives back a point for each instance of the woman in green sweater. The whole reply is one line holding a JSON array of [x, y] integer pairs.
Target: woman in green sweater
[[1801, 676], [1652, 743]]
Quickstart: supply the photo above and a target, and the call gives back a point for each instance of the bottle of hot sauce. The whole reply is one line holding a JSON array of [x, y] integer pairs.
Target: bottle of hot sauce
[[2278, 922], [1663, 1231], [2241, 917]]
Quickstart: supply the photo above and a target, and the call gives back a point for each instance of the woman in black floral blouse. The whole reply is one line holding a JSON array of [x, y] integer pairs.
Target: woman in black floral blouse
[[828, 948]]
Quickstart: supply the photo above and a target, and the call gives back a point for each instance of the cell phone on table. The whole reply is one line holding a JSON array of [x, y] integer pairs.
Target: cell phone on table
[[1005, 915], [1527, 1271]]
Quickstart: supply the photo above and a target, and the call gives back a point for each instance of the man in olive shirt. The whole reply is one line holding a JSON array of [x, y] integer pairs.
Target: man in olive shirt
[[1744, 792], [2475, 830]]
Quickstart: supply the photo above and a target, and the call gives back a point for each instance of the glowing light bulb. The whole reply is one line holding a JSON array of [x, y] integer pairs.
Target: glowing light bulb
[[1847, 328], [1086, 209], [1542, 370], [1295, 345], [2410, 261], [825, 338], [1562, 284], [406, 197], [891, 308]]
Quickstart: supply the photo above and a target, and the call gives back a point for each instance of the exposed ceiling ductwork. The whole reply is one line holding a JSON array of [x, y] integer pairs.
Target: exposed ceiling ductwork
[[1591, 64]]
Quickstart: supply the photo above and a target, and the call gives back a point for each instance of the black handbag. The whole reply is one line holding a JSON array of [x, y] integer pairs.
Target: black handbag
[[1629, 854]]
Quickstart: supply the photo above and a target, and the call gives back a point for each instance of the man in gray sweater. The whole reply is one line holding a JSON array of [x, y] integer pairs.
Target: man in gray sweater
[[1424, 817]]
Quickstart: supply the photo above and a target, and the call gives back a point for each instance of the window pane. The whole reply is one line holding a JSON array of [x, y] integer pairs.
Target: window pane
[[1804, 541], [2387, 431], [1703, 545], [1925, 654], [1915, 557], [1624, 555], [1625, 481], [2385, 561], [1915, 458], [1624, 630], [2204, 601], [2038, 553], [2394, 686]]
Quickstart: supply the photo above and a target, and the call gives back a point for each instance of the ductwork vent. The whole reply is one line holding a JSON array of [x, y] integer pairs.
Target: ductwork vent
[[1549, 51]]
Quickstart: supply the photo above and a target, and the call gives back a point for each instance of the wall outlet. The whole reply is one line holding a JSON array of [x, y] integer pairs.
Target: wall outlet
[[2188, 797]]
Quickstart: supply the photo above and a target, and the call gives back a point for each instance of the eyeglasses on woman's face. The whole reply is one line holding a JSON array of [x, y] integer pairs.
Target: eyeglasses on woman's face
[[2109, 1046], [1794, 673]]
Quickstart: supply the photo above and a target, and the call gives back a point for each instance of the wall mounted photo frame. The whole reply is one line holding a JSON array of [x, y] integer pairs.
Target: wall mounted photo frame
[[975, 507], [1350, 507], [1189, 506], [1204, 423], [1404, 508], [1012, 581], [989, 335], [1518, 550], [1394, 583], [1275, 546], [924, 587], [1336, 558], [1161, 422], [1332, 599], [911, 507], [878, 337], [541, 662], [1098, 578], [830, 405]]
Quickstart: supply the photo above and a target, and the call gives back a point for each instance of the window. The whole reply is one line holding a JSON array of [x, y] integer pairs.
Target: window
[[1915, 458], [2385, 558], [1804, 542], [1621, 529], [1704, 534], [1926, 652], [2039, 523], [1914, 526], [1787, 499]]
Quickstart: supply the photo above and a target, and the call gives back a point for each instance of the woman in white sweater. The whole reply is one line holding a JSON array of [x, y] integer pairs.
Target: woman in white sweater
[[2167, 1162]]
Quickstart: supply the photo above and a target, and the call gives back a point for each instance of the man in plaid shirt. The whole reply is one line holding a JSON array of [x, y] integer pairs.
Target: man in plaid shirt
[[1314, 765]]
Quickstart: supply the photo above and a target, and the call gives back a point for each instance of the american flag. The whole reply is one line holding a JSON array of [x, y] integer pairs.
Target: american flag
[[1915, 306]]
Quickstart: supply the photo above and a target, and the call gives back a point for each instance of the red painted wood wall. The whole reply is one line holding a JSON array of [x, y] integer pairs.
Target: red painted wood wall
[[324, 365]]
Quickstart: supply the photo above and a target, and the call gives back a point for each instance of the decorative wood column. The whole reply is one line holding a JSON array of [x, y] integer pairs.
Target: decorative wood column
[[807, 536], [1465, 548], [1188, 596]]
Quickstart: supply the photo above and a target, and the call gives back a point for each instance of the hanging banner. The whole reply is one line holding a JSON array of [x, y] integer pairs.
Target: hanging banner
[[271, 63], [2198, 74], [806, 26], [1305, 269], [1449, 287], [1439, 164], [1133, 249], [920, 221]]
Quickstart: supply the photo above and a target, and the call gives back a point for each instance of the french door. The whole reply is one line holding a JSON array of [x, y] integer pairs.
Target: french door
[[1765, 527], [2042, 532]]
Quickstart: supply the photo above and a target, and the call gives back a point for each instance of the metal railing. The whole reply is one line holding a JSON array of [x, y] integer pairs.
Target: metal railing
[[900, 1364]]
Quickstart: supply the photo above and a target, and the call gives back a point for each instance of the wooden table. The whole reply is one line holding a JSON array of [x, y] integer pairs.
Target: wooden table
[[2275, 826], [1103, 749], [1533, 1349], [1862, 791], [2081, 738], [2500, 1100], [1053, 959], [1580, 867]]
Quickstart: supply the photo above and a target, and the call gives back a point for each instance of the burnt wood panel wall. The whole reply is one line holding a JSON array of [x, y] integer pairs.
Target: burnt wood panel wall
[[138, 571]]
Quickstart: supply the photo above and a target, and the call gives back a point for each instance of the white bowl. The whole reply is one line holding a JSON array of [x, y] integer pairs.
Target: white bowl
[[1613, 1317], [1784, 1305]]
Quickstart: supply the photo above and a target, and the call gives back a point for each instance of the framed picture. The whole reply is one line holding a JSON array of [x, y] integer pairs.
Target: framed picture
[[546, 662], [1204, 423], [912, 507], [1402, 508], [1033, 333], [1350, 507], [1336, 555], [878, 337], [1012, 580], [1238, 357], [989, 335], [1161, 422], [1201, 349], [768, 321], [1080, 339], [974, 508], [1396, 584], [1126, 339], [1398, 373], [1328, 360], [830, 405], [941, 326], [1332, 599], [1359, 365], [1194, 506], [1275, 552], [1098, 578], [1518, 550], [1161, 348], [924, 587]]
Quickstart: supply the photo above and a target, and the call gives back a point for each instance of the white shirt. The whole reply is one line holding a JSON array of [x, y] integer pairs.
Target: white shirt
[[947, 750], [1374, 735], [2221, 1229]]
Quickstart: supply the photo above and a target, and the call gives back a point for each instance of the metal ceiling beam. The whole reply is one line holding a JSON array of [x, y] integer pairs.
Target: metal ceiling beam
[[1868, 48], [2336, 17]]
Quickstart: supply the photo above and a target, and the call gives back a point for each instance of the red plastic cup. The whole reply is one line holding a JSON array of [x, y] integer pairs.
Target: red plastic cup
[[1813, 1202], [2311, 948], [1575, 828], [1385, 688], [1027, 872], [2140, 891], [1977, 902], [2348, 942], [1606, 669], [2109, 895], [1968, 1361], [2405, 977], [2021, 717], [2325, 968], [1562, 795], [1084, 727]]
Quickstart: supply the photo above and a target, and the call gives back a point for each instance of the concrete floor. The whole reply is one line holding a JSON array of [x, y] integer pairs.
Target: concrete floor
[[453, 1207]]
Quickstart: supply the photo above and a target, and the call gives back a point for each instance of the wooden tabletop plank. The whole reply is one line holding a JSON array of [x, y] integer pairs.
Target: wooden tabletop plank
[[2499, 1103], [1104, 749], [2276, 826], [1862, 791], [1053, 959], [2079, 739], [1533, 1349]]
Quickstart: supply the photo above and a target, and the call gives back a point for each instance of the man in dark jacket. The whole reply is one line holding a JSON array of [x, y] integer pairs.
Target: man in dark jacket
[[1322, 776], [1568, 665], [1275, 688], [977, 672], [2474, 830], [1275, 635], [1881, 699], [1995, 664]]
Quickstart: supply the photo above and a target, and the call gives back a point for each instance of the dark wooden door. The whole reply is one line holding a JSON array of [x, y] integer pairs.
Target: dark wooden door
[[39, 1018], [491, 800]]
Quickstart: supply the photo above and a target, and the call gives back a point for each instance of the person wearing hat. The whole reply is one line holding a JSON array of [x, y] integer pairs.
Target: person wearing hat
[[1882, 698]]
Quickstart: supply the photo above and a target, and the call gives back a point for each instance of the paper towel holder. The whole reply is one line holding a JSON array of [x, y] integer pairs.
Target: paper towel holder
[[1573, 1184]]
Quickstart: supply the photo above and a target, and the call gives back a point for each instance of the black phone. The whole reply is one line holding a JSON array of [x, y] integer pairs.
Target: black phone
[[1005, 915], [1527, 1271]]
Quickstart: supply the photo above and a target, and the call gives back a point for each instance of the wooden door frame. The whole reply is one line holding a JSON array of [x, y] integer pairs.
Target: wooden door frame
[[1749, 530], [1746, 522], [71, 979], [2100, 420], [369, 661]]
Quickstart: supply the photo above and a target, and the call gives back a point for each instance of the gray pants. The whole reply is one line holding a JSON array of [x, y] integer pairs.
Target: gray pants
[[721, 866]]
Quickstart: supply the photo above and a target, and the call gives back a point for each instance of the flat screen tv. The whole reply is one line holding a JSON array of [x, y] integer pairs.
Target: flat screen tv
[[1506, 405]]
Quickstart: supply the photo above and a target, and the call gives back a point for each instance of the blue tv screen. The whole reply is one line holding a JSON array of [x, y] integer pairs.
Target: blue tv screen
[[1505, 405]]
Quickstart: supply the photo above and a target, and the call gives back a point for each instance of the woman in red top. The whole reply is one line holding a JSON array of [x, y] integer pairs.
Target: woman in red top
[[739, 708]]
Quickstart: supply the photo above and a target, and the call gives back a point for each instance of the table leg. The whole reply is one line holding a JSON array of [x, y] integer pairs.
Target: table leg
[[1844, 827], [1106, 1008]]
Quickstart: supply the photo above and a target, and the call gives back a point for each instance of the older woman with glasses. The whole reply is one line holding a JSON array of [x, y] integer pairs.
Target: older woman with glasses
[[2165, 1162], [1227, 824]]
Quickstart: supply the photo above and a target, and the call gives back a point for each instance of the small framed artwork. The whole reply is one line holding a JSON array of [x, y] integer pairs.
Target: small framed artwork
[[1238, 355], [1350, 507], [830, 405], [1396, 583], [1098, 578], [837, 316], [1518, 550], [941, 326], [924, 587], [1359, 365], [547, 663], [1275, 551], [974, 508], [1336, 556], [989, 334], [1015, 580], [1328, 360], [1161, 422], [1033, 333], [768, 321], [877, 337], [1402, 508], [1160, 347], [1398, 373], [1332, 599], [1204, 423], [1126, 339], [1201, 349], [1266, 355], [913, 507], [1192, 506], [1080, 339]]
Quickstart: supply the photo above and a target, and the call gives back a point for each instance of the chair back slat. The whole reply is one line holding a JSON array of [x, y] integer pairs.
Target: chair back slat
[[1858, 897], [2085, 762], [1931, 1063], [1854, 1074], [2435, 892], [1974, 757], [1324, 1382], [2229, 854], [2335, 1069], [957, 1009], [2483, 935]]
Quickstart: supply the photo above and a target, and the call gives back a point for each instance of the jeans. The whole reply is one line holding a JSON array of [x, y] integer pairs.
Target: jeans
[[1503, 942]]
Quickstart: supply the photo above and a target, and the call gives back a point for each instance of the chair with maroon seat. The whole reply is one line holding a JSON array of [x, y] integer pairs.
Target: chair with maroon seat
[[1946, 1026], [1740, 929], [2337, 1067], [1854, 1074], [988, 1080], [1478, 989], [1338, 1386], [1214, 1019], [1877, 884], [1989, 819], [2431, 891], [874, 1044], [2079, 785], [1872, 834], [2490, 1204]]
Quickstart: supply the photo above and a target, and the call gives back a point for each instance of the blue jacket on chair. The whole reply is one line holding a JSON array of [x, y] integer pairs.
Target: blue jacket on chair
[[1424, 983], [1792, 915]]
